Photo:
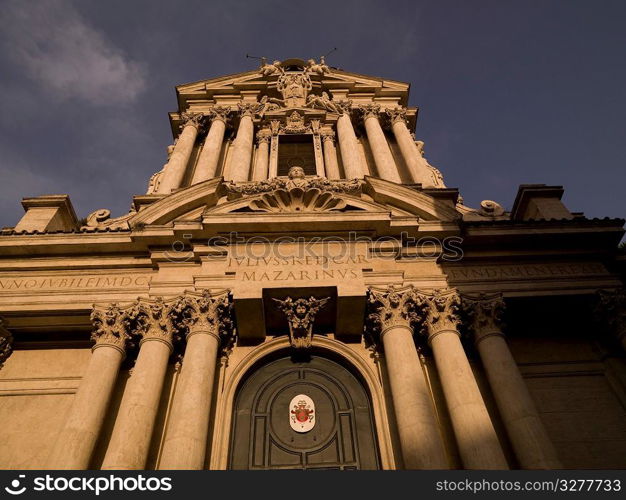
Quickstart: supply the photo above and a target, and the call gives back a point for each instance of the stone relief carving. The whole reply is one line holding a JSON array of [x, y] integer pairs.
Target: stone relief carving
[[295, 124], [300, 315], [6, 342], [296, 178], [322, 102], [294, 88]]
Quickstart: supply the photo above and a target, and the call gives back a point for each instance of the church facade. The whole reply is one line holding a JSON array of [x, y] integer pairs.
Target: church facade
[[299, 289]]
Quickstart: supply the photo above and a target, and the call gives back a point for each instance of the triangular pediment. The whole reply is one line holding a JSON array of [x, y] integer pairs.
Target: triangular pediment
[[334, 80]]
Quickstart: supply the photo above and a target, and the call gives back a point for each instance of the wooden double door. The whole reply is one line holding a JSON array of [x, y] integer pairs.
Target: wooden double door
[[303, 414]]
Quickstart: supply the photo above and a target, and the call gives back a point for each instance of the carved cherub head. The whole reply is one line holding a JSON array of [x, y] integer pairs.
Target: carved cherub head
[[296, 172]]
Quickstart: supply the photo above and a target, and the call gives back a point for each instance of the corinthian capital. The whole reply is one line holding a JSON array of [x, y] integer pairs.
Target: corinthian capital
[[111, 327], [396, 114], [247, 108], [327, 135], [264, 136], [6, 342], [221, 113], [441, 312], [300, 315], [393, 308], [204, 313], [153, 320], [369, 111], [484, 313], [192, 119], [611, 311]]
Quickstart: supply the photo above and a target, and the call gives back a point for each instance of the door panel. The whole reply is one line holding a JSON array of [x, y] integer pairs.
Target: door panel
[[343, 436]]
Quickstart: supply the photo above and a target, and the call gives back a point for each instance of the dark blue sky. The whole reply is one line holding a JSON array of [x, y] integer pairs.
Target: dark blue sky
[[509, 92]]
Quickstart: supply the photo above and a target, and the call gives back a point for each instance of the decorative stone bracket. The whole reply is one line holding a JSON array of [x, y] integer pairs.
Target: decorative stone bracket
[[300, 315]]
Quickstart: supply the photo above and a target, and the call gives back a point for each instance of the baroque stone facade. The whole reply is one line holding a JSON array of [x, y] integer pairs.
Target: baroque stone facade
[[298, 288]]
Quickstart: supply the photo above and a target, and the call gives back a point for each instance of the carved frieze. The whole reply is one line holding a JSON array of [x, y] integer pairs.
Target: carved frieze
[[300, 314]]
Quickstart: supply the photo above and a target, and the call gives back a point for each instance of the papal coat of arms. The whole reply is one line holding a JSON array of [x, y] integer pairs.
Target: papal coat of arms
[[302, 413]]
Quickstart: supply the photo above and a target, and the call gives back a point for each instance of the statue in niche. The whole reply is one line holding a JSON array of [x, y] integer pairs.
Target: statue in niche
[[322, 102], [294, 88]]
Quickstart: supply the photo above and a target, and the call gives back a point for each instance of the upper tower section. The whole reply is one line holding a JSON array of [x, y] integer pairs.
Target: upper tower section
[[258, 125]]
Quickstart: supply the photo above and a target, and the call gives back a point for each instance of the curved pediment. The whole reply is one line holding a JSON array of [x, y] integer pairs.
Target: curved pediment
[[315, 195]]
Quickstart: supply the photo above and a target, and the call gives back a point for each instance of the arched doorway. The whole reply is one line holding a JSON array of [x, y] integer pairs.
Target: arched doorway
[[340, 434]]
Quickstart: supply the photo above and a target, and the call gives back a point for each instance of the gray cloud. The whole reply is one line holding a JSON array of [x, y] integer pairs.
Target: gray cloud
[[60, 51]]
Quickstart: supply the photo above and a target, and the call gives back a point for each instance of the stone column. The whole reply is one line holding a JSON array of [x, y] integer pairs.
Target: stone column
[[418, 168], [530, 441], [242, 148], [6, 342], [330, 155], [130, 442], [206, 166], [611, 312], [205, 318], [348, 145], [174, 171], [76, 441], [474, 431], [383, 158], [391, 313], [262, 161]]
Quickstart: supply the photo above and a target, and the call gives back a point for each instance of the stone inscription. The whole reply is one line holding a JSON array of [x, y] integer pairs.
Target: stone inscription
[[74, 282], [310, 268], [524, 271]]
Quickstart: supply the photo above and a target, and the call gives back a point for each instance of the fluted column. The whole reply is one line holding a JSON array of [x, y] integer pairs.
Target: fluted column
[[174, 171], [242, 147], [391, 312], [208, 160], [474, 431], [418, 168], [76, 441], [529, 438], [348, 145], [383, 158], [130, 441], [185, 443], [262, 160], [331, 165]]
